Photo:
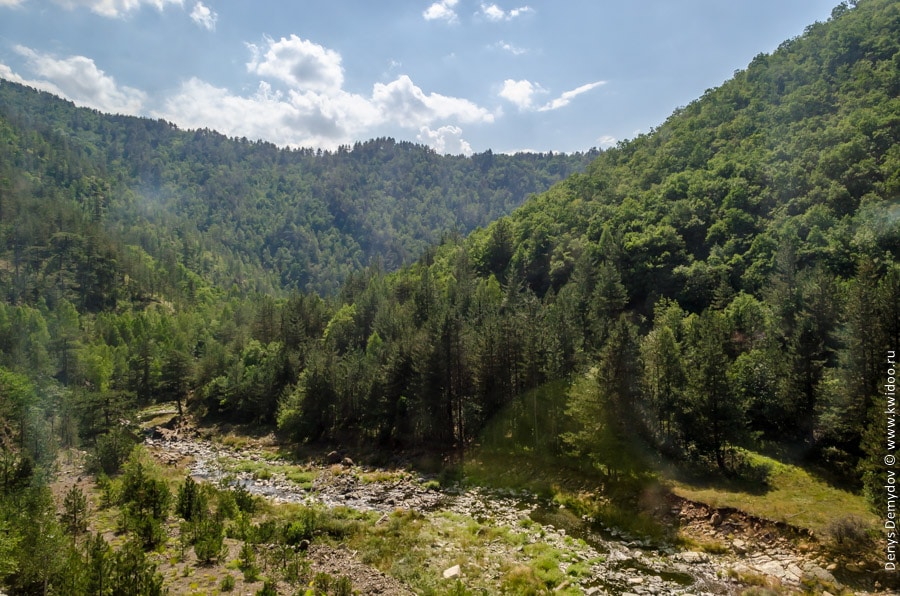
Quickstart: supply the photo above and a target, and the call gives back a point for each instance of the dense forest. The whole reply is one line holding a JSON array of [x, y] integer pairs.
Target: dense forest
[[250, 216], [727, 280]]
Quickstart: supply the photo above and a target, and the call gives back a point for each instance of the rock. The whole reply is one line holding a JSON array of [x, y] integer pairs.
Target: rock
[[794, 572], [333, 457], [635, 581], [816, 573], [739, 546], [716, 519], [832, 567], [347, 462], [451, 572], [772, 568], [692, 557]]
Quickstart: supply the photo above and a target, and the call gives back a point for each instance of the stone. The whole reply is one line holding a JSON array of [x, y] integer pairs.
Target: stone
[[692, 557], [816, 573], [347, 462], [774, 569], [333, 457], [794, 572], [716, 519], [452, 572], [739, 546]]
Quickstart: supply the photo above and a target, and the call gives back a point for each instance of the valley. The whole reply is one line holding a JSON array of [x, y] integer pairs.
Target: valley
[[663, 367]]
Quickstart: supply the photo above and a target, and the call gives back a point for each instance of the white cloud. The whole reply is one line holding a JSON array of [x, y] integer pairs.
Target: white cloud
[[298, 119], [311, 108], [116, 8], [495, 13], [566, 98], [405, 103], [446, 139], [204, 16], [507, 47], [607, 141], [11, 2], [300, 63], [77, 78], [441, 11], [520, 93]]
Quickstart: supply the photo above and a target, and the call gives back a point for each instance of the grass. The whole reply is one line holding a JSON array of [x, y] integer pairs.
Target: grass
[[793, 496]]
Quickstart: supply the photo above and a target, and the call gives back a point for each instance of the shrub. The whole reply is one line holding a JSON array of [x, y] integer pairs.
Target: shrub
[[303, 528], [209, 539], [191, 503], [110, 452], [244, 500], [227, 583], [144, 500], [848, 535]]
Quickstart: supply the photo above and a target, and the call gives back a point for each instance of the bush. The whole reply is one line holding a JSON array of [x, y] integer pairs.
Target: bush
[[303, 528], [342, 587], [191, 503], [848, 535], [209, 539], [110, 452], [227, 583], [244, 500], [144, 500]]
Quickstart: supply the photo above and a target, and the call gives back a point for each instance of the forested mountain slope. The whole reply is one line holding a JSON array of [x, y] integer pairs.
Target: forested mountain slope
[[727, 281], [250, 214], [800, 149]]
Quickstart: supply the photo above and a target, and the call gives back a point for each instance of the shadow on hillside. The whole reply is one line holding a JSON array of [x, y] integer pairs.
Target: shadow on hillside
[[743, 476], [832, 467]]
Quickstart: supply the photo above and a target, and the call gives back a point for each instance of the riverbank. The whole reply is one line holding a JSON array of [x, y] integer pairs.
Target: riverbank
[[461, 534]]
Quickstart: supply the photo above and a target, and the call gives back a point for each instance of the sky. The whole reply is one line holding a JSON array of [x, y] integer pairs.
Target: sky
[[461, 76]]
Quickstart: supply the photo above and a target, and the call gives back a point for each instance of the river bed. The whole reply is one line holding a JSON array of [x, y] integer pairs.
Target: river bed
[[617, 566]]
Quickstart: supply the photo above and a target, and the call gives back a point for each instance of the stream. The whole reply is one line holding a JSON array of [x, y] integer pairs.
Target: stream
[[617, 565]]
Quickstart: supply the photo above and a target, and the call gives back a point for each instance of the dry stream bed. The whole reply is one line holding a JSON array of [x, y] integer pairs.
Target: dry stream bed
[[508, 532]]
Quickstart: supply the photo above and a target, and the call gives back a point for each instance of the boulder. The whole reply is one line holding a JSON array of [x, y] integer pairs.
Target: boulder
[[451, 572]]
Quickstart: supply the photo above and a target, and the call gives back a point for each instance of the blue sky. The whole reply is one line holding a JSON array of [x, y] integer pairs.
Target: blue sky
[[459, 75]]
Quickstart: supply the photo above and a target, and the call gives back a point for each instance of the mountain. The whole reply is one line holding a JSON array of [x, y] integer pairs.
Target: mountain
[[727, 283], [728, 280], [800, 147], [253, 216]]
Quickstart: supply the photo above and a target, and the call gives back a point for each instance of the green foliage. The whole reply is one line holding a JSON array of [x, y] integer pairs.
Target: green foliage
[[75, 511], [227, 583], [191, 503], [111, 451], [208, 537], [144, 499], [133, 574], [304, 528]]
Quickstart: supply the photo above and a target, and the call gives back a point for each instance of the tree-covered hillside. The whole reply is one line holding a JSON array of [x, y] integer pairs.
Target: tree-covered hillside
[[728, 281], [252, 215]]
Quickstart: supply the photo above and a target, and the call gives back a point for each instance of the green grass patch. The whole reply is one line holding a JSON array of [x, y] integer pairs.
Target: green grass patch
[[792, 495]]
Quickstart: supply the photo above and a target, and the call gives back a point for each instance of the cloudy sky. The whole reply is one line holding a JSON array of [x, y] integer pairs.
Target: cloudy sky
[[459, 75]]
